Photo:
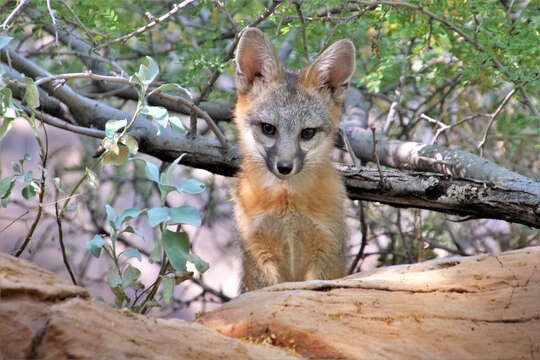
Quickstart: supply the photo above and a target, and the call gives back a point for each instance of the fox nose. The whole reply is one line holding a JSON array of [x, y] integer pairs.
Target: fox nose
[[284, 167]]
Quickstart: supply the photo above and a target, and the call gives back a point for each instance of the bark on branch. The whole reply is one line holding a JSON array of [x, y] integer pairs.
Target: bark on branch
[[468, 186]]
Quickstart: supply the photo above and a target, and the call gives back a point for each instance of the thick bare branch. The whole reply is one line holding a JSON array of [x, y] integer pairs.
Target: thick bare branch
[[495, 193]]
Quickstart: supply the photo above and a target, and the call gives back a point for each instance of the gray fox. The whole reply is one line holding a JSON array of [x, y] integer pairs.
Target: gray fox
[[289, 199]]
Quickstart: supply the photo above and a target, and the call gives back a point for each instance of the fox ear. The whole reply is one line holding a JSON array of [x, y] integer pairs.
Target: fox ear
[[332, 70], [256, 60]]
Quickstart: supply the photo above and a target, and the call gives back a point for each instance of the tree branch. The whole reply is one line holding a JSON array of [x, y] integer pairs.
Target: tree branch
[[495, 193], [148, 26]]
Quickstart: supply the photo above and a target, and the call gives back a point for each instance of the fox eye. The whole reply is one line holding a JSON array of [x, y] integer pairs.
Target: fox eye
[[268, 129], [308, 133]]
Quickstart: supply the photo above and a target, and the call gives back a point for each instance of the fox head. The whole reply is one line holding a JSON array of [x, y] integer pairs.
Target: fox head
[[287, 121]]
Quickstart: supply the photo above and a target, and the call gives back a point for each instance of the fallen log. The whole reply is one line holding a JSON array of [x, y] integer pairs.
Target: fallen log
[[44, 317], [479, 307]]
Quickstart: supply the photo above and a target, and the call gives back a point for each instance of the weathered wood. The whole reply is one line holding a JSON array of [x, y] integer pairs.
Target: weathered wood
[[481, 307], [44, 317], [445, 194]]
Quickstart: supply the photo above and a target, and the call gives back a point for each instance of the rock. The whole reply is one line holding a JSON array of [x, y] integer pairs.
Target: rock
[[478, 307], [45, 317]]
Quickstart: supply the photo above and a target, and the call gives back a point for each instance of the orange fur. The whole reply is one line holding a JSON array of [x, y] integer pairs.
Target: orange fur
[[292, 227]]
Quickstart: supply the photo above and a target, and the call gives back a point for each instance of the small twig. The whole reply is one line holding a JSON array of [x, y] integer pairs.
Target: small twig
[[148, 26], [342, 22], [364, 230], [418, 236], [87, 75], [155, 285], [230, 52], [391, 113], [79, 23], [61, 124], [356, 162], [5, 25], [200, 112], [278, 28], [55, 24], [492, 117], [406, 244], [298, 6], [62, 245], [44, 156], [376, 156], [443, 127], [26, 212], [80, 55], [227, 15]]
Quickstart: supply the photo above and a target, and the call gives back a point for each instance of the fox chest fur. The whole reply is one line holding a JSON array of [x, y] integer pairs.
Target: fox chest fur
[[291, 236], [289, 198]]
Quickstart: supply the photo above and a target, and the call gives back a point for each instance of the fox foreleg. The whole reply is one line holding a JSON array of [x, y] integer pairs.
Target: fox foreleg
[[329, 263], [261, 268]]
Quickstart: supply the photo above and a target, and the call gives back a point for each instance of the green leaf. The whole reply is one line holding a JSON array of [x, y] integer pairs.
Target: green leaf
[[130, 276], [191, 186], [114, 279], [173, 87], [120, 295], [28, 176], [31, 96], [185, 214], [58, 184], [112, 126], [95, 245], [7, 108], [169, 173], [199, 263], [165, 189], [4, 40], [157, 215], [129, 253], [128, 214], [93, 180], [131, 229], [155, 255], [159, 116], [176, 245], [6, 184], [111, 216], [5, 126], [147, 72], [177, 124], [152, 171], [29, 192], [16, 167], [168, 288]]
